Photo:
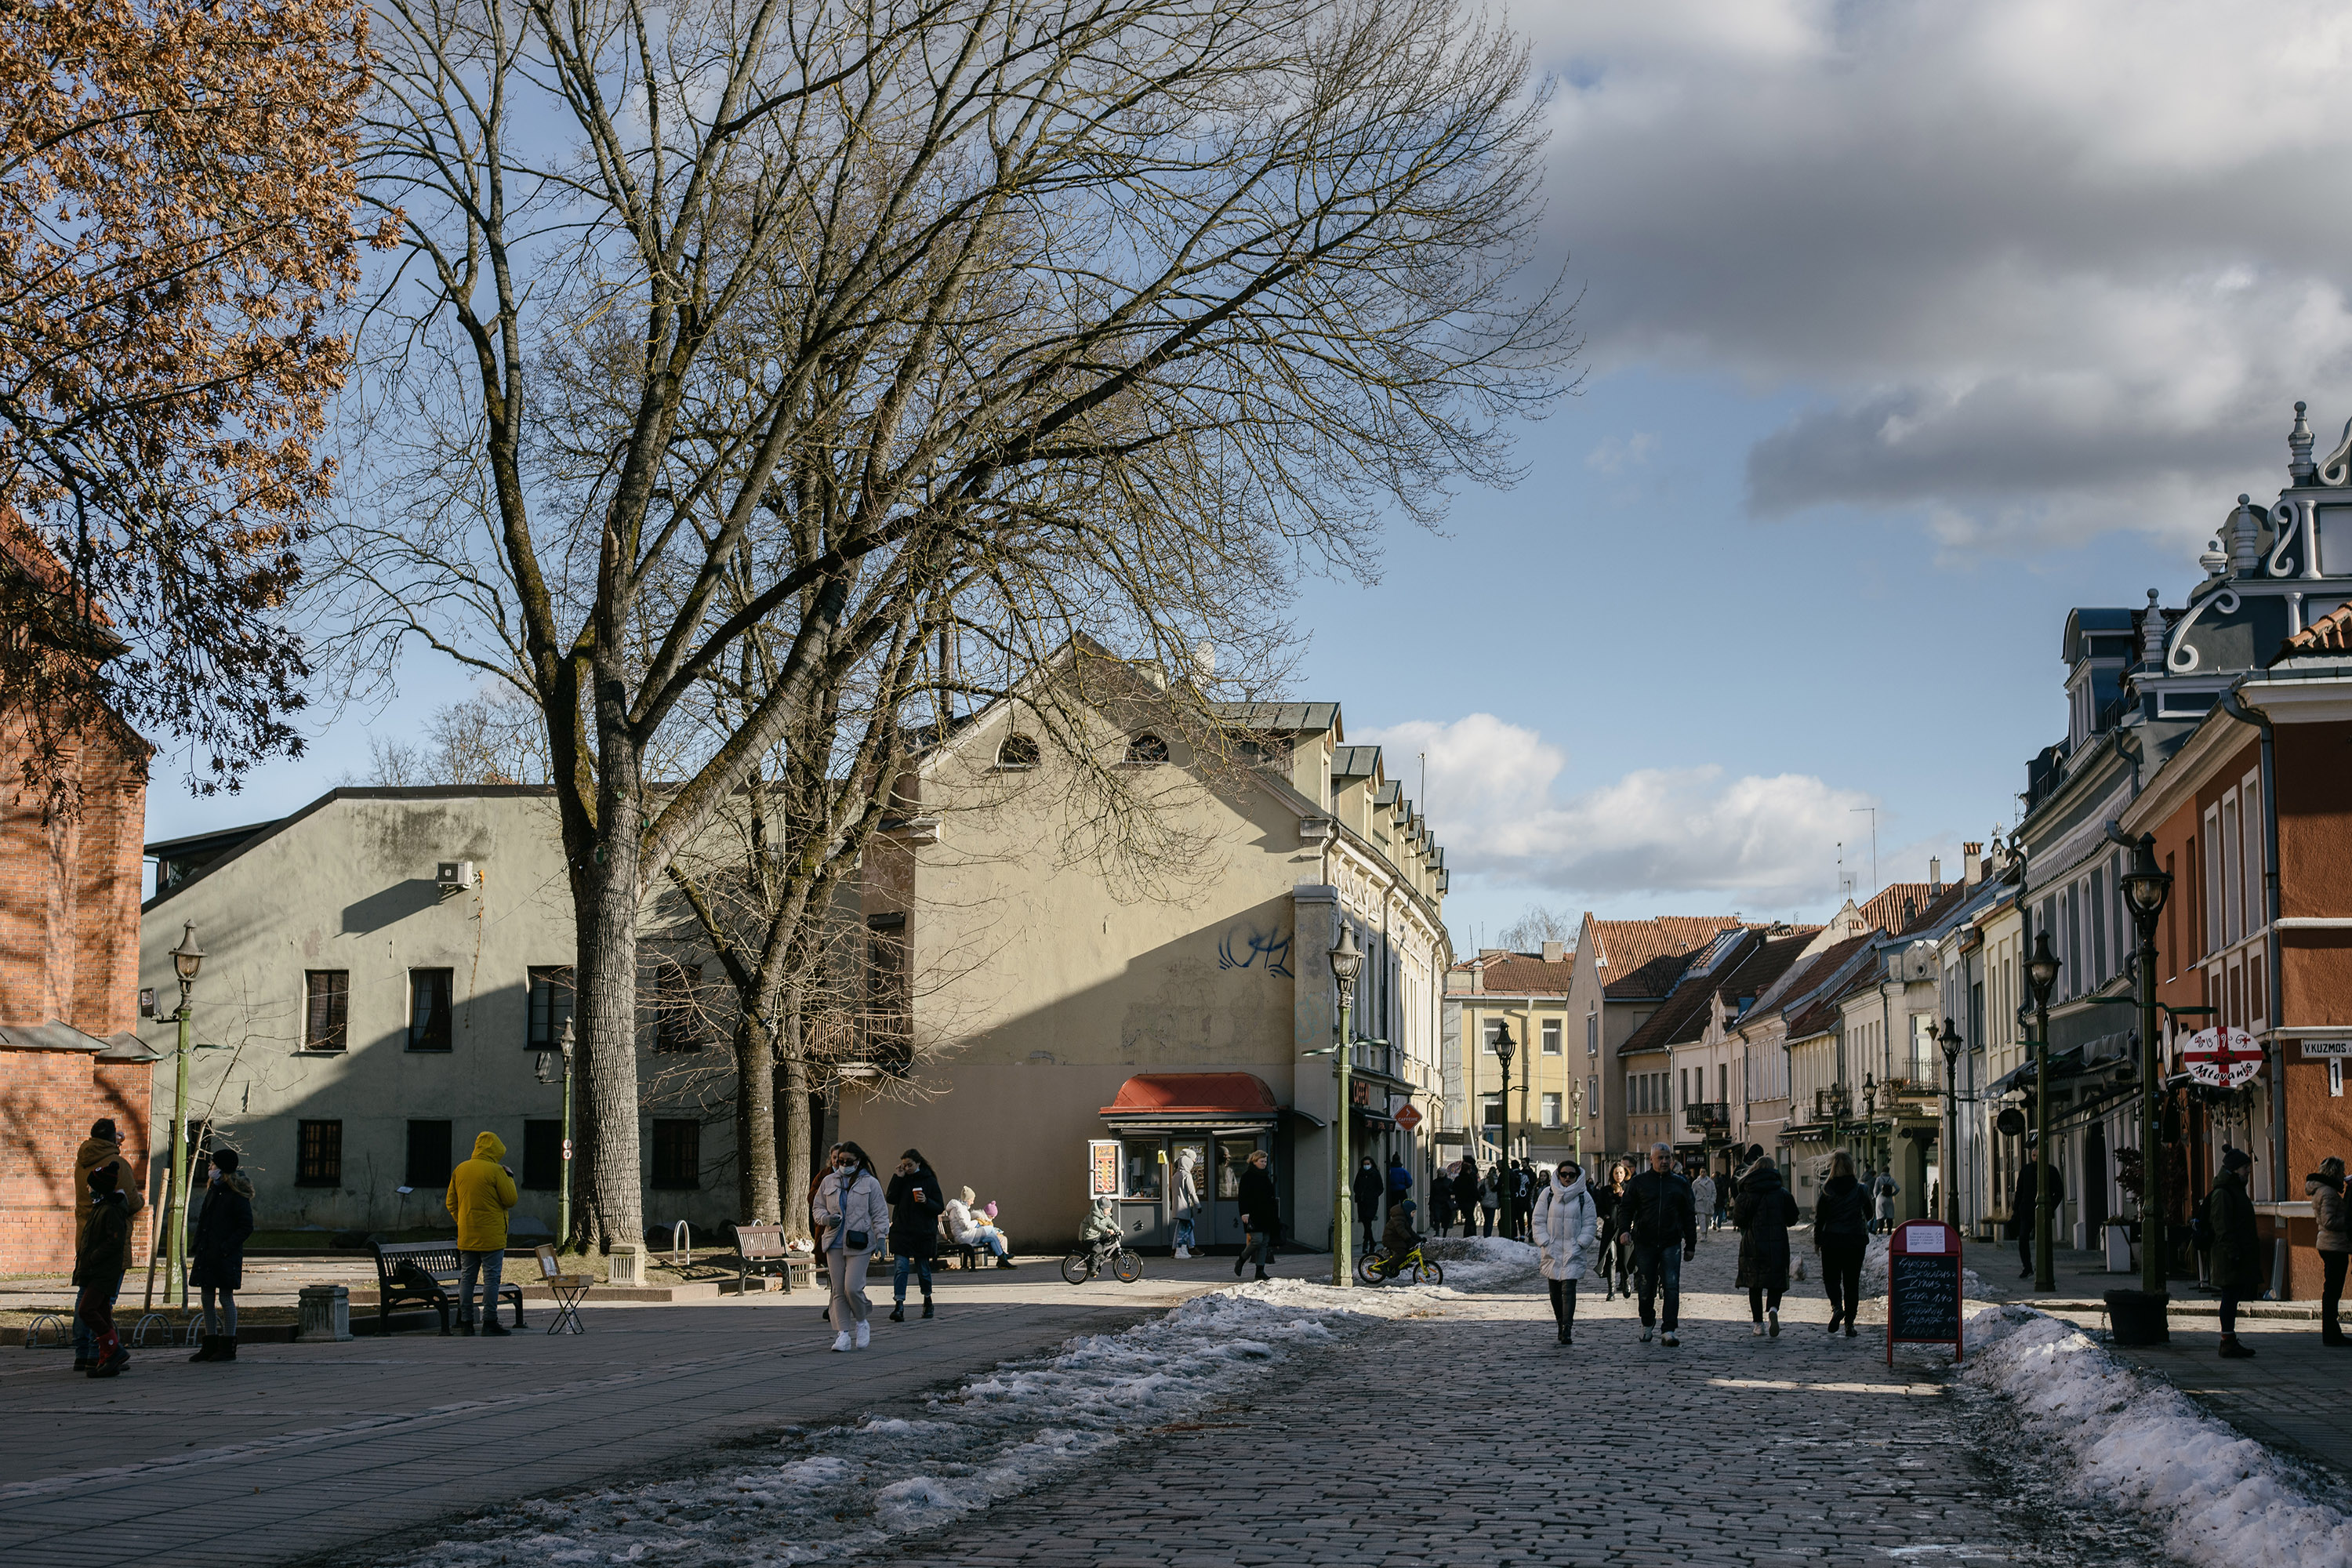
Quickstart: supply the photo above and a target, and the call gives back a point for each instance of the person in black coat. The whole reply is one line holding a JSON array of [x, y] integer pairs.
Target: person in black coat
[[1367, 1190], [2021, 1206], [217, 1254], [2238, 1248], [1765, 1211], [1261, 1214], [1656, 1211], [1842, 1236], [916, 1203], [1441, 1203]]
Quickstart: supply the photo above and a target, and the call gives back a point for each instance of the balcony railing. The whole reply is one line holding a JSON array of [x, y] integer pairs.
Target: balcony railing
[[1702, 1115]]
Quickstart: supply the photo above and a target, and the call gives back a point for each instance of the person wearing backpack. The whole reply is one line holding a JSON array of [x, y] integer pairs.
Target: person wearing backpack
[[2237, 1246]]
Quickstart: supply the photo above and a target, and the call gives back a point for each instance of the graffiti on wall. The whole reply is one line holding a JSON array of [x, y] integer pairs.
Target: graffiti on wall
[[1244, 945]]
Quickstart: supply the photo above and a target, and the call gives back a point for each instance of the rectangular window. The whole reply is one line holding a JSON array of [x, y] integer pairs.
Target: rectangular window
[[319, 1154], [429, 992], [326, 1009], [677, 1155], [2212, 933], [678, 1011], [1593, 1031], [543, 1156], [2100, 968], [884, 1021], [1592, 1096], [1723, 1082], [1551, 1109], [428, 1156], [550, 1007], [1551, 1037], [2232, 893], [1490, 1111], [2257, 909]]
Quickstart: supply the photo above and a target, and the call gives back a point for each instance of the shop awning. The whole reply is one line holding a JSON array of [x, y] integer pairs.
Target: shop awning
[[1192, 1100]]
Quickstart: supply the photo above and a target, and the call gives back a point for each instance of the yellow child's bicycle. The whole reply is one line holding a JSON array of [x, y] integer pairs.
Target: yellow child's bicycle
[[1372, 1270]]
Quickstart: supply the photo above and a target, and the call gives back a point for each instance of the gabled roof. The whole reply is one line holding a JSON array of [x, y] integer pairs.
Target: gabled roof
[[1280, 716], [1828, 989], [1885, 911], [1354, 762], [1938, 909], [1520, 974], [1754, 963], [1646, 958]]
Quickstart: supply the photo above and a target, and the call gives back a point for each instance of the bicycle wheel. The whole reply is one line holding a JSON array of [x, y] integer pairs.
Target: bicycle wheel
[[1077, 1269], [1128, 1267], [1368, 1271], [1428, 1273]]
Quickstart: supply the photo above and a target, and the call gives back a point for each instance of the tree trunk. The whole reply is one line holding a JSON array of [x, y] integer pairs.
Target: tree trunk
[[793, 1161], [611, 1208], [755, 1122]]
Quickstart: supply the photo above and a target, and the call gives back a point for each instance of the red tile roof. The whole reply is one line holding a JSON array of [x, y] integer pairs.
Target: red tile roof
[[1884, 911], [1760, 960], [1524, 974], [1219, 1094], [2331, 633], [1821, 1011], [1645, 958]]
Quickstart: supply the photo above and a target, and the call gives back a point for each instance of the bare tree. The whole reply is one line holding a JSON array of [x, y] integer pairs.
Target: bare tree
[[1537, 925], [774, 318]]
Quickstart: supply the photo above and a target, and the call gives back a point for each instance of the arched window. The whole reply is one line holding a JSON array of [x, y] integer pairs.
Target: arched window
[[1018, 751], [1146, 748]]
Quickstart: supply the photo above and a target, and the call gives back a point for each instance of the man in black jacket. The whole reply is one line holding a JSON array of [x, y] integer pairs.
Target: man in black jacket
[[1261, 1214], [2020, 1208], [1656, 1211]]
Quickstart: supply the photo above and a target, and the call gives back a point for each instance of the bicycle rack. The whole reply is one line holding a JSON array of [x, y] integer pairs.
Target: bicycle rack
[[679, 1251], [139, 1330], [41, 1320]]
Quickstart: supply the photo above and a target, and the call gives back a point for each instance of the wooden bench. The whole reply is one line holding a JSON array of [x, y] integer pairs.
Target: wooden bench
[[427, 1271], [760, 1249], [967, 1256]]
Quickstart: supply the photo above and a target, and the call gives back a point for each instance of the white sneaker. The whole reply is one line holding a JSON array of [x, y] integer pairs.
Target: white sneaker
[[840, 1340], [865, 1336], [1645, 1336], [1760, 1332]]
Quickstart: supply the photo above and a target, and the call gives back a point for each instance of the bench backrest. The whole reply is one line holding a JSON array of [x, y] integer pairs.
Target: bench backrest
[[760, 1241], [439, 1258]]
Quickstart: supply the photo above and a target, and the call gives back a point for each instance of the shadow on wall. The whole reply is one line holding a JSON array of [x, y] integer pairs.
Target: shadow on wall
[[393, 904]]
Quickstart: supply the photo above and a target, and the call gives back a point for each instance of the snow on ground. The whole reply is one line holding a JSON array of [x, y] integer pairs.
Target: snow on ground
[[1873, 1274], [840, 1490], [2221, 1499], [1483, 1262]]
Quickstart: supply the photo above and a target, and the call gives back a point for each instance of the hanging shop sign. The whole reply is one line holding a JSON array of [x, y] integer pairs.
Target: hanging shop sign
[[2221, 1058], [1407, 1117]]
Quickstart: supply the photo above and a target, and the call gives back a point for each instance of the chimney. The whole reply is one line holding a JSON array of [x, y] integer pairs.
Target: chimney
[[1972, 869], [1934, 874], [1555, 952]]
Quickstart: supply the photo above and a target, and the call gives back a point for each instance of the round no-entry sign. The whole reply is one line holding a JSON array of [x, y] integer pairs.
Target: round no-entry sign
[[1407, 1117], [2221, 1058]]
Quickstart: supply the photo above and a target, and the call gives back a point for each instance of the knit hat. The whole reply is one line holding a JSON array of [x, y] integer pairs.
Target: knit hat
[[968, 1199], [2235, 1159], [104, 1128], [103, 1179]]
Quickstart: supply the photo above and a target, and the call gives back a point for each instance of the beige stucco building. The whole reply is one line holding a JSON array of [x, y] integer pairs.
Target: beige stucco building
[[1550, 1078], [1065, 984]]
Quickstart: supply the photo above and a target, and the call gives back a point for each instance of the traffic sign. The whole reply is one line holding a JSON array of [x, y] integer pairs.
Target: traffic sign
[[1407, 1117], [567, 1148], [2221, 1058]]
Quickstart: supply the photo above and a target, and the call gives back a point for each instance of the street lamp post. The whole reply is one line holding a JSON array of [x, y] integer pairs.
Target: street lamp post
[[2146, 888], [1503, 1055], [1869, 1134], [1576, 1116], [1950, 1040], [564, 1183], [1346, 962], [2041, 976], [186, 960]]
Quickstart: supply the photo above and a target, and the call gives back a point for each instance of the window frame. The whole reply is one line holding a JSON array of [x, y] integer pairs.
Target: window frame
[[1140, 746], [538, 977], [416, 977], [1552, 1035], [660, 1153], [678, 1021], [545, 1128], [1008, 757], [409, 1168], [338, 1008], [326, 1169]]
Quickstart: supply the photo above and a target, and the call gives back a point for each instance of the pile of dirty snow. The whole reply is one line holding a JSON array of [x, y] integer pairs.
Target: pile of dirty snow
[[2221, 1499], [843, 1490]]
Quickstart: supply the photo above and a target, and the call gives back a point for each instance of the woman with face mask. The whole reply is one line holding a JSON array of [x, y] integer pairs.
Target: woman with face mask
[[1563, 1226], [851, 1218]]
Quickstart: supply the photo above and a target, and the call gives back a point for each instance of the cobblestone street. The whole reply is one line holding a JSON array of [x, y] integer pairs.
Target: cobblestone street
[[1470, 1437]]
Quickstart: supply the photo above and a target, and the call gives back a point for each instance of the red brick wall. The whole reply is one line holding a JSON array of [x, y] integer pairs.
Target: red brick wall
[[69, 950]]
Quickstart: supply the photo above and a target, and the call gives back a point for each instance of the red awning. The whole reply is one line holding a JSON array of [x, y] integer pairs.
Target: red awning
[[1199, 1094]]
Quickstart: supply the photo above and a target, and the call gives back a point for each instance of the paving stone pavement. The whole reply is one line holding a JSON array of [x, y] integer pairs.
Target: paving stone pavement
[[1470, 1437]]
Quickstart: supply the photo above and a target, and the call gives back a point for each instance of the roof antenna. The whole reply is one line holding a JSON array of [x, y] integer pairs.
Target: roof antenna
[[1873, 842]]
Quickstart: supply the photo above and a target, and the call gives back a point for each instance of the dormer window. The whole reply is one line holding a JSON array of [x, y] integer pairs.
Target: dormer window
[[1018, 751], [1145, 751]]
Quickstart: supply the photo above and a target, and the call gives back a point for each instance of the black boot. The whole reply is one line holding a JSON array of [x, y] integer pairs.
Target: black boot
[[207, 1348], [227, 1350], [1238, 1265], [898, 1311], [927, 1306], [2232, 1351]]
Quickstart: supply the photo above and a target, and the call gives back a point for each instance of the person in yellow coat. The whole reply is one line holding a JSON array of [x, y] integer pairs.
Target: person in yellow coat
[[480, 1192]]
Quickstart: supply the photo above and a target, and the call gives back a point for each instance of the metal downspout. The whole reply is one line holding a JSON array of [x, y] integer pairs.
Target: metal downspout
[[2236, 707]]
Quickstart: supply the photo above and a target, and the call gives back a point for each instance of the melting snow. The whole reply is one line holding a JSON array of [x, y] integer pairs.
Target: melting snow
[[2221, 1499]]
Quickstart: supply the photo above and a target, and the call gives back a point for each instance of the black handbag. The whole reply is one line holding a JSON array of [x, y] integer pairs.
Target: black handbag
[[856, 1240]]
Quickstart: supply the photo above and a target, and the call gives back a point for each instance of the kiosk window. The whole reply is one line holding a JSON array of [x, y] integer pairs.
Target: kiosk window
[[1140, 1168]]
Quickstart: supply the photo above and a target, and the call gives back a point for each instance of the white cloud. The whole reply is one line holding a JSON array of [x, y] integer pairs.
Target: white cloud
[[1614, 455], [2045, 267], [1756, 842]]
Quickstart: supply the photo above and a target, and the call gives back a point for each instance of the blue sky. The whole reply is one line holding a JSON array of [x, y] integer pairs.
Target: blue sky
[[1908, 327]]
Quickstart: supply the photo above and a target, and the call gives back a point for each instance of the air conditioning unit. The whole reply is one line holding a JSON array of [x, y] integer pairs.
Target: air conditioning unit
[[453, 876]]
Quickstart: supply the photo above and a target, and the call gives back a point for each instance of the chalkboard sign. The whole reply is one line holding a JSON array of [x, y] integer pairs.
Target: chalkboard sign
[[1923, 1287]]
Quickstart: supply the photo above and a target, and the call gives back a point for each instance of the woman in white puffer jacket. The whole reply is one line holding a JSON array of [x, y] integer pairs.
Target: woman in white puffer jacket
[[853, 1217], [1564, 1219]]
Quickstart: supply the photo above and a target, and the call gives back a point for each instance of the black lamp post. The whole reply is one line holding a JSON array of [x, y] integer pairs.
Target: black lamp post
[[1950, 1040], [1346, 962], [1503, 1055], [187, 959], [2145, 888], [2041, 976], [1870, 1135]]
